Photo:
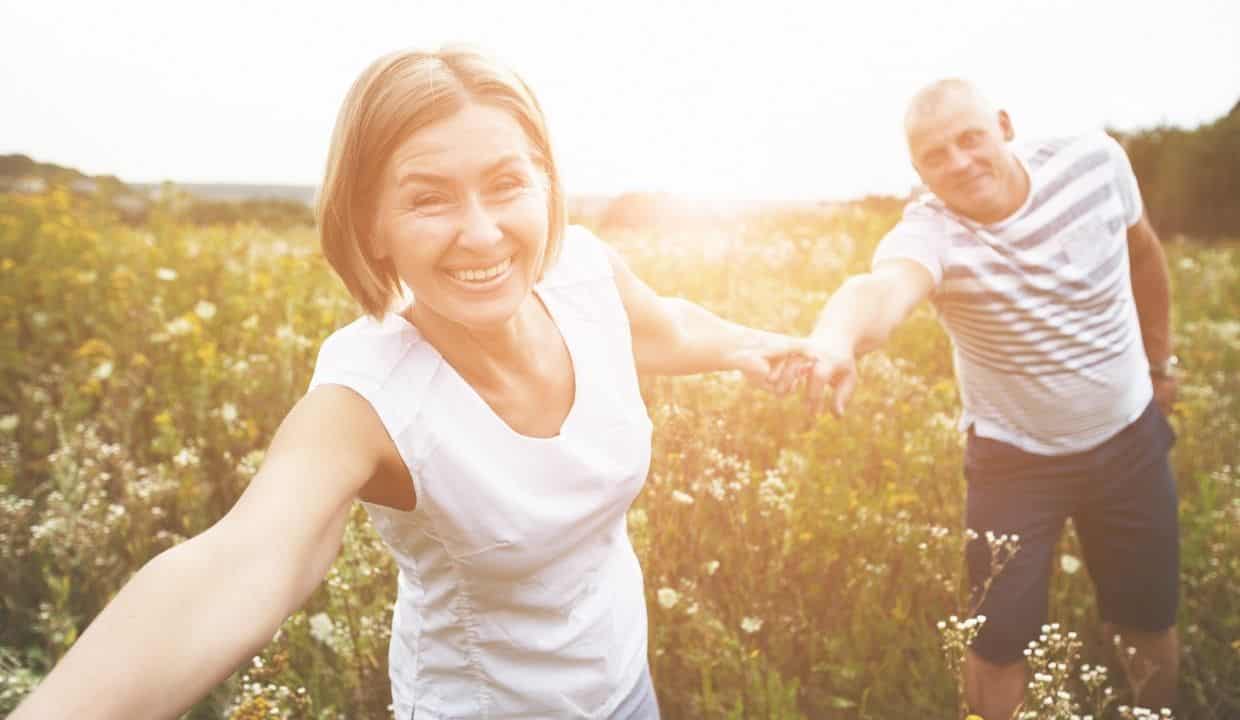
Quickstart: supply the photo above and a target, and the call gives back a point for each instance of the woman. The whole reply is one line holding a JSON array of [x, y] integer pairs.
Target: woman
[[493, 428]]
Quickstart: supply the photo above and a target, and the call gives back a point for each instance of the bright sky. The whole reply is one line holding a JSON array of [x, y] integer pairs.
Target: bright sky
[[773, 99]]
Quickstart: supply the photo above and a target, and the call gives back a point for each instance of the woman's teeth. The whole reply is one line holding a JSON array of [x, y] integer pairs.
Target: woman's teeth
[[482, 274]]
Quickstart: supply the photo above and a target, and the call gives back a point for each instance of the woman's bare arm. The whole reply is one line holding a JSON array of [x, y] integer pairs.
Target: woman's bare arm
[[197, 611], [674, 336]]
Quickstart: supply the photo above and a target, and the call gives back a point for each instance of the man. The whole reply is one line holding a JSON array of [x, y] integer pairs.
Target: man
[[1046, 274]]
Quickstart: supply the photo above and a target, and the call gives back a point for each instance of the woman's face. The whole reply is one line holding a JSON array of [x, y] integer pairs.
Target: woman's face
[[463, 215]]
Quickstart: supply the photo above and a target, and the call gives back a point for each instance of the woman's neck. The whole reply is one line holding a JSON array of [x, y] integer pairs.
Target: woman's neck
[[487, 355]]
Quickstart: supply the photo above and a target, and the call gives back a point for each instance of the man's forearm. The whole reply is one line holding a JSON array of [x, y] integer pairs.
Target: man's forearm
[[856, 317], [1151, 289]]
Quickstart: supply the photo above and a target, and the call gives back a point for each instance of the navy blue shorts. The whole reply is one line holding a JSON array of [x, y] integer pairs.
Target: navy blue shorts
[[1121, 497]]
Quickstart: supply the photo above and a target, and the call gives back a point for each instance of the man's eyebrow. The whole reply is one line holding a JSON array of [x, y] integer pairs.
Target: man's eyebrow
[[430, 178]]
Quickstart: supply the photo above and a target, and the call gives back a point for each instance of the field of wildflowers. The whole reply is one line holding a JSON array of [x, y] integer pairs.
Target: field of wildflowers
[[795, 567]]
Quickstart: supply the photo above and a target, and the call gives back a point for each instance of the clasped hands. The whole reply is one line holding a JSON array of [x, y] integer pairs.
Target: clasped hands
[[782, 363]]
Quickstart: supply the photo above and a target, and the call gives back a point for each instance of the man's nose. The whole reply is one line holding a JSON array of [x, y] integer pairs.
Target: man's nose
[[478, 224], [957, 159]]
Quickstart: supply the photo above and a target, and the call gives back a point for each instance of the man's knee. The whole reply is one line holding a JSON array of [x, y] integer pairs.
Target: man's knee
[[1141, 640], [993, 690], [985, 669]]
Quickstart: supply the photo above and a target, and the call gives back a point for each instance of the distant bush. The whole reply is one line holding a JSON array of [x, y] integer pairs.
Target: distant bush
[[271, 213], [1190, 179]]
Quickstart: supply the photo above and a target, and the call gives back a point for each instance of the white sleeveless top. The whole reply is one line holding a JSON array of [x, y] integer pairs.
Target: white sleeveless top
[[519, 594]]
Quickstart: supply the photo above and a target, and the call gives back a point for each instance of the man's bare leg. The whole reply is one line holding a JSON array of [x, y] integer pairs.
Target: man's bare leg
[[993, 691], [1159, 650]]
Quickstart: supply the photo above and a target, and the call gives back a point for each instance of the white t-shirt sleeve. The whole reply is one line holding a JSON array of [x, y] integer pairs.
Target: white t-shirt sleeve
[[922, 236], [1125, 182]]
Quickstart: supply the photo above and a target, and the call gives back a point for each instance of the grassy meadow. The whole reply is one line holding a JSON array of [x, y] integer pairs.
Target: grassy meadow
[[795, 568]]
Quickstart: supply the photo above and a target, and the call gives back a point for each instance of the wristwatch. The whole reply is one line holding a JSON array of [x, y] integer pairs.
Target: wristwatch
[[1164, 368]]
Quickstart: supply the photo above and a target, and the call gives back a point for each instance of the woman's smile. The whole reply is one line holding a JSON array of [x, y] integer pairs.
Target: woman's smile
[[478, 278]]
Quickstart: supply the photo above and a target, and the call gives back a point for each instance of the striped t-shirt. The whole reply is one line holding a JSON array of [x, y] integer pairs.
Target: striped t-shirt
[[1039, 306]]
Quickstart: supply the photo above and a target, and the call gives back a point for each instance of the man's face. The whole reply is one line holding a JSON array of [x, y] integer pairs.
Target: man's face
[[960, 152]]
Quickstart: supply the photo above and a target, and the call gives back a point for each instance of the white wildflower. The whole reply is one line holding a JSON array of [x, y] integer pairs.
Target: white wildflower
[[185, 458], [9, 423], [668, 597], [104, 371], [166, 274], [322, 628], [751, 625], [1069, 563], [180, 326], [248, 467], [204, 310], [683, 498]]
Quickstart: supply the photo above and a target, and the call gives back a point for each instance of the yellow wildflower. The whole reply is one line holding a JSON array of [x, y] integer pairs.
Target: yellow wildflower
[[94, 347]]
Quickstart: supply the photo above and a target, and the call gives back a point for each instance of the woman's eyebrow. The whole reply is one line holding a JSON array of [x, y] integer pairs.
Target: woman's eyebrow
[[430, 178]]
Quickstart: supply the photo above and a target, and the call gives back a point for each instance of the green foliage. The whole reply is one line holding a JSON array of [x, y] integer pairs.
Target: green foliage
[[270, 213], [794, 567], [1190, 179]]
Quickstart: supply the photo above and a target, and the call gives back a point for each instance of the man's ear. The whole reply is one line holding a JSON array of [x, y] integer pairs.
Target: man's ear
[[1005, 124]]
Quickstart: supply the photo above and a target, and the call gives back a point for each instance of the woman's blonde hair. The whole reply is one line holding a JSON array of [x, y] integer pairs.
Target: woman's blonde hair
[[396, 96]]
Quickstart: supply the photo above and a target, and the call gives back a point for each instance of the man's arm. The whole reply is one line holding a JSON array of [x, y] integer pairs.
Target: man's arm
[[858, 318], [1151, 289]]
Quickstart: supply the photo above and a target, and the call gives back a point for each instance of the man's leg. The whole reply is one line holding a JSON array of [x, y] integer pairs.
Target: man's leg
[[993, 691], [1155, 667], [1010, 492], [1129, 534]]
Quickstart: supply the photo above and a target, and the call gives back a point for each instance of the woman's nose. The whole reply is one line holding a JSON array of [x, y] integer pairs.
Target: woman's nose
[[478, 224]]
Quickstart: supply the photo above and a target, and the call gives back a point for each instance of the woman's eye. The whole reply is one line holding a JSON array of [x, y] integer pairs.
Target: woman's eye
[[507, 183], [427, 200]]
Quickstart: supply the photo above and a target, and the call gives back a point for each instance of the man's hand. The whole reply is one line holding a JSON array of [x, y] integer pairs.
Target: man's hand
[[765, 356], [1166, 388], [822, 364], [835, 367]]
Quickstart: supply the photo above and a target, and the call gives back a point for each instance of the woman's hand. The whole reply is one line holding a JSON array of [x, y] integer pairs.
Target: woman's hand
[[772, 361], [197, 611]]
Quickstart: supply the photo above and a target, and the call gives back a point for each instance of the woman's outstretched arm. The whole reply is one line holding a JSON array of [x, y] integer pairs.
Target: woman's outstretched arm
[[197, 611], [674, 336]]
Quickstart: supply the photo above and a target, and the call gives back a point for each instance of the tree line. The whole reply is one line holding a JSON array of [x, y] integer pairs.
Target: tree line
[[1190, 179]]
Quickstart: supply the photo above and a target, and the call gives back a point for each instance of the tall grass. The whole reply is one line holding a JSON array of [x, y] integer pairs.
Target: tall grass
[[795, 567]]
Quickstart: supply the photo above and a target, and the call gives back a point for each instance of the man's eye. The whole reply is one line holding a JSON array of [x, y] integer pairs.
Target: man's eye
[[970, 139]]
